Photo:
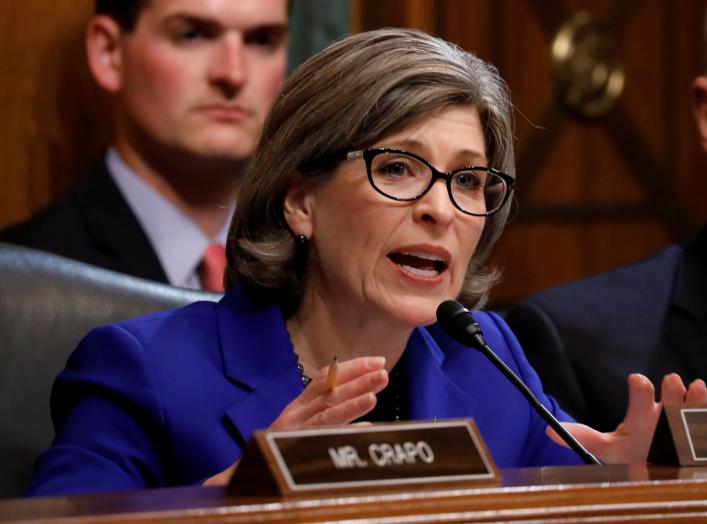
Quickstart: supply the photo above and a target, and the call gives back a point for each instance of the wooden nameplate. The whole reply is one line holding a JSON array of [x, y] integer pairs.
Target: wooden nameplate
[[394, 455], [680, 436]]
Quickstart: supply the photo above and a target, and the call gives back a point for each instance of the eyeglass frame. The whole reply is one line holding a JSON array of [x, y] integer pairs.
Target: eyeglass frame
[[369, 154]]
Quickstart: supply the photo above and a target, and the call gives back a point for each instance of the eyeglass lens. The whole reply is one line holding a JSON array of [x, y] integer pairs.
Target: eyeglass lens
[[406, 178]]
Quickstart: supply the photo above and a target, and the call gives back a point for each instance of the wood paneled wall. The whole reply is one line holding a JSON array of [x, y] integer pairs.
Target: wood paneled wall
[[54, 120], [591, 195]]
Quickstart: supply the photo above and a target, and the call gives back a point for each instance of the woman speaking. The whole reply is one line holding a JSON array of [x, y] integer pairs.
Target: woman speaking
[[381, 182]]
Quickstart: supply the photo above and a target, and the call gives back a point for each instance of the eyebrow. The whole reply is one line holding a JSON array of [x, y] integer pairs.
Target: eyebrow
[[413, 143], [214, 25], [184, 18]]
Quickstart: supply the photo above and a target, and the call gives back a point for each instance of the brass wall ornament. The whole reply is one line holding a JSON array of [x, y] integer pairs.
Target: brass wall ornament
[[589, 76]]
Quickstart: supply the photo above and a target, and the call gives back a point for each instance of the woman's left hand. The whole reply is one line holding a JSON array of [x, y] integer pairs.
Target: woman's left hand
[[630, 442]]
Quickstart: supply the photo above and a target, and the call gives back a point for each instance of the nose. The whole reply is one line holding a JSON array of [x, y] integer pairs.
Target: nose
[[228, 68], [435, 207]]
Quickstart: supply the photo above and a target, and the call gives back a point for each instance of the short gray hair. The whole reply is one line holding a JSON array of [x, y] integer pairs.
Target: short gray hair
[[347, 97]]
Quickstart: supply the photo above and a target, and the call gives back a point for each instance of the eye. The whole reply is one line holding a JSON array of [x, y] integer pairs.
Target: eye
[[189, 34], [188, 31], [396, 168], [266, 37], [469, 180]]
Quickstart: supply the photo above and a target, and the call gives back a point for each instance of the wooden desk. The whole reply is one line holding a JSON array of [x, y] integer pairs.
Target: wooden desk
[[559, 494]]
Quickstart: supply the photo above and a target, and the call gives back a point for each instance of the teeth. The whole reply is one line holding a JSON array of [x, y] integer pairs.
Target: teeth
[[429, 273], [424, 256]]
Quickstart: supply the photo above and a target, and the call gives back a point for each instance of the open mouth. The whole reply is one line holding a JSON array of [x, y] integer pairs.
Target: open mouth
[[419, 264]]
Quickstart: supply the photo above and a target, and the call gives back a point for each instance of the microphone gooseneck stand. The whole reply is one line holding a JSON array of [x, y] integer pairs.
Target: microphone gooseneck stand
[[459, 323]]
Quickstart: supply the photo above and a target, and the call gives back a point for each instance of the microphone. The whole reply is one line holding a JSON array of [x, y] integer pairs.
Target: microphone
[[459, 323]]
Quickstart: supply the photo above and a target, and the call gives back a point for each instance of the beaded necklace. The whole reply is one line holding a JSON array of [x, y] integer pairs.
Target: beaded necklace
[[392, 402], [305, 378]]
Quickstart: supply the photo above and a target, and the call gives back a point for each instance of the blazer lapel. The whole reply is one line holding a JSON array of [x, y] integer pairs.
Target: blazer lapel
[[114, 230], [686, 320], [433, 394], [258, 409], [259, 358]]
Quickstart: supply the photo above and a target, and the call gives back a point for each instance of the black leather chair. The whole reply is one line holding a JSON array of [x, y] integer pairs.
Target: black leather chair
[[47, 304]]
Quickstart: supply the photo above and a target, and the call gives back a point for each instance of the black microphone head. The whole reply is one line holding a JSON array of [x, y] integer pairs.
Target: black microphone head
[[449, 309], [458, 322]]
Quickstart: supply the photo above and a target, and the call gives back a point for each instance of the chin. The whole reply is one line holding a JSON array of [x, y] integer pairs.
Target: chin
[[224, 154], [416, 312], [231, 145]]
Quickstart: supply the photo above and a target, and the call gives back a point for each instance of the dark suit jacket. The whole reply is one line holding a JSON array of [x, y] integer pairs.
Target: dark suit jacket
[[586, 337], [172, 398], [94, 224]]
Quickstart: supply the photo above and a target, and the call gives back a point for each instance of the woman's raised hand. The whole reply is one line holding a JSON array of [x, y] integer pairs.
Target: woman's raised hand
[[630, 442], [354, 394], [357, 382]]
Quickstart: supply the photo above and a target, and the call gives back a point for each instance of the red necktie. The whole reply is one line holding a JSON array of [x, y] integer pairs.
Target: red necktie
[[212, 268]]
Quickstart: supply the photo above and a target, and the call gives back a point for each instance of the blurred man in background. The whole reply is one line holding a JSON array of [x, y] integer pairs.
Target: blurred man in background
[[192, 82], [584, 338]]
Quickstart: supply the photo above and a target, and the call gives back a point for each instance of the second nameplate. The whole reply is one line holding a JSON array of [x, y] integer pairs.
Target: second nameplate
[[681, 436]]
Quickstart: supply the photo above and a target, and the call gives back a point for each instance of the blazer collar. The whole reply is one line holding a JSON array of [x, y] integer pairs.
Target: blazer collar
[[258, 357], [255, 343]]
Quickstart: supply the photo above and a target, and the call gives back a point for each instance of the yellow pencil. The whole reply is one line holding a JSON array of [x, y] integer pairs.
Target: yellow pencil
[[331, 375]]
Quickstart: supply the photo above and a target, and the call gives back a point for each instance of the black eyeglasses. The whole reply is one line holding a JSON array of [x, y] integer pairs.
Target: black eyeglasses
[[403, 176]]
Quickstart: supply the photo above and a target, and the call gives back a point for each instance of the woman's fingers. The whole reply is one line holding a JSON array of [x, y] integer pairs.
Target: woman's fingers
[[672, 390], [344, 412], [371, 382], [328, 407], [353, 395], [347, 371], [631, 440], [641, 401], [696, 391], [590, 438]]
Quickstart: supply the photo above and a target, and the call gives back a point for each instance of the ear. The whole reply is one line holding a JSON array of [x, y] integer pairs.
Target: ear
[[104, 53], [699, 107], [299, 206]]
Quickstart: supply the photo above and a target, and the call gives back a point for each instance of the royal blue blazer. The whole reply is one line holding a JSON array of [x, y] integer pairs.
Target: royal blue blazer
[[172, 398]]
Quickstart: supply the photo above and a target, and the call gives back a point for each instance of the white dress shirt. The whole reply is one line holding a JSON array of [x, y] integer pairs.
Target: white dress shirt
[[177, 240]]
